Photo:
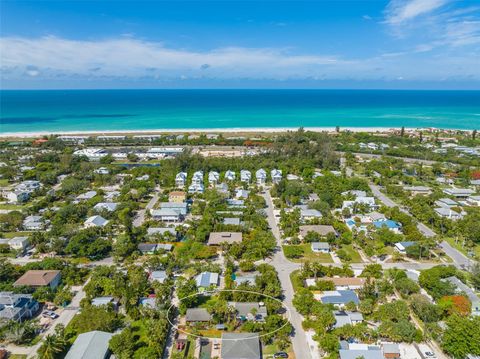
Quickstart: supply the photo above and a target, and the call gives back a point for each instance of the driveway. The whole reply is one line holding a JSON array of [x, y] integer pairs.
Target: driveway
[[140, 218]]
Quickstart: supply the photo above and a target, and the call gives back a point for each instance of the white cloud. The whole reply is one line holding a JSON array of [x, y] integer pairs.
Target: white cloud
[[129, 58], [400, 11], [132, 57]]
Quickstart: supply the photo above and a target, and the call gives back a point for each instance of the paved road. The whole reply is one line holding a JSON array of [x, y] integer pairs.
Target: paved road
[[426, 231], [459, 258], [284, 267], [140, 218]]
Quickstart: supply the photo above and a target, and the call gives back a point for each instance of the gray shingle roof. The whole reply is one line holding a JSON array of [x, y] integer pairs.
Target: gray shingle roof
[[240, 346]]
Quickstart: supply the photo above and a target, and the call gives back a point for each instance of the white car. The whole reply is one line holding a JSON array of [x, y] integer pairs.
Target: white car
[[426, 351]]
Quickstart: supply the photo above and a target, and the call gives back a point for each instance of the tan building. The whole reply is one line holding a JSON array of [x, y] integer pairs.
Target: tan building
[[217, 238], [39, 278], [177, 197]]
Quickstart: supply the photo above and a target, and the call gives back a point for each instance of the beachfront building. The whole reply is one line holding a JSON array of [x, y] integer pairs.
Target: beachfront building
[[213, 178], [261, 176], [276, 176], [230, 176], [181, 179], [93, 154], [245, 176]]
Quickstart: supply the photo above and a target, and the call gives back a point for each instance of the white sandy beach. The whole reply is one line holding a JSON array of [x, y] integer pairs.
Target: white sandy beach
[[207, 130]]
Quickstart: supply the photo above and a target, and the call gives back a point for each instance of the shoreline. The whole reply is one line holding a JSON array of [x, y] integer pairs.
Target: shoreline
[[234, 130]]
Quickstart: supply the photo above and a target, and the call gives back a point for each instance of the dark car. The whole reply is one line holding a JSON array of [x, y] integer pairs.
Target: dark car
[[280, 355]]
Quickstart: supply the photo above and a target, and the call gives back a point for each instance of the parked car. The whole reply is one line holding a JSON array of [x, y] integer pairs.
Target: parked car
[[280, 355]]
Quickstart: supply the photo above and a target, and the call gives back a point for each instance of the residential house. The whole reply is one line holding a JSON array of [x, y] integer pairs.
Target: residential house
[[292, 177], [276, 176], [446, 203], [449, 213], [245, 176], [197, 178], [170, 212], [343, 317], [217, 238], [459, 192], [18, 243], [158, 276], [206, 279], [105, 301], [250, 311], [39, 278], [17, 196], [101, 171], [261, 176], [235, 203], [369, 202], [29, 186], [86, 196], [308, 214], [241, 193], [17, 307], [389, 224], [320, 229], [469, 292], [105, 206], [197, 315], [151, 248], [95, 221], [196, 188], [213, 178], [181, 179], [402, 246], [240, 346], [418, 190], [90, 345], [369, 352], [233, 221], [229, 175], [473, 200], [246, 278], [33, 223], [177, 196], [338, 298], [340, 283], [320, 247], [163, 231], [391, 350]]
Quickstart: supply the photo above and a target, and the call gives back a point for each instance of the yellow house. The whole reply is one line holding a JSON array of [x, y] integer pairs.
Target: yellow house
[[177, 196]]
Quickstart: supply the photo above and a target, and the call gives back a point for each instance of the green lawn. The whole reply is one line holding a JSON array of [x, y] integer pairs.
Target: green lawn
[[353, 253], [15, 234], [309, 255], [12, 207]]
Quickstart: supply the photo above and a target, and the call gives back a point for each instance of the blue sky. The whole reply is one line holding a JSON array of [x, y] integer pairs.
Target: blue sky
[[249, 44]]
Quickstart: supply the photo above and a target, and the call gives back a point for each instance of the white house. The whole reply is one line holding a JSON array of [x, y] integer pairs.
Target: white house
[[101, 171], [33, 223], [229, 175], [213, 177], [181, 179], [459, 192], [245, 176], [261, 176], [276, 175], [197, 178], [105, 206], [86, 196], [18, 196], [473, 200], [95, 221], [447, 212], [18, 243], [320, 247], [196, 188], [93, 154]]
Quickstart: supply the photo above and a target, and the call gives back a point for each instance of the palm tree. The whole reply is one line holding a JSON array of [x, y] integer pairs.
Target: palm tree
[[51, 347]]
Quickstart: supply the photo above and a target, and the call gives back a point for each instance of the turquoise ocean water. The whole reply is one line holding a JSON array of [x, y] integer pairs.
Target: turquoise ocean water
[[108, 110]]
